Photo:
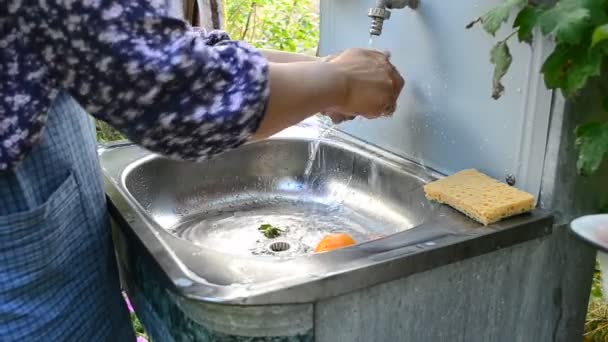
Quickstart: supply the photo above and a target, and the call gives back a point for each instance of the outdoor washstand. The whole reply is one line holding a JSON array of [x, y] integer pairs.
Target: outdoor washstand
[[197, 269]]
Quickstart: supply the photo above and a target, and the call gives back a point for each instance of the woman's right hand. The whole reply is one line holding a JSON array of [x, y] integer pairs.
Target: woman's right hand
[[354, 82], [371, 83]]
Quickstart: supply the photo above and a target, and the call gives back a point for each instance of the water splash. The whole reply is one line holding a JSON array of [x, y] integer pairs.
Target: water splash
[[313, 151]]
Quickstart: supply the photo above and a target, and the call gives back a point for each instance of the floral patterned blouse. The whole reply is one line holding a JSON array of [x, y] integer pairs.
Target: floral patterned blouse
[[175, 90]]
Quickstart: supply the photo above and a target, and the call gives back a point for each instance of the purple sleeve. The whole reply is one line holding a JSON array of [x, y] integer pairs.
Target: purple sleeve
[[174, 90]]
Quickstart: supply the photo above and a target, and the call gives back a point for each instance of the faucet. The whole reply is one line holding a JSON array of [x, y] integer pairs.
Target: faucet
[[381, 12]]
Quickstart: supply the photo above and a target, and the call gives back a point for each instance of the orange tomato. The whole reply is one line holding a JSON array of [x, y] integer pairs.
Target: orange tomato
[[334, 241]]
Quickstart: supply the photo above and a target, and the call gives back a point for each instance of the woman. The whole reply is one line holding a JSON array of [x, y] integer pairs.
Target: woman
[[173, 90]]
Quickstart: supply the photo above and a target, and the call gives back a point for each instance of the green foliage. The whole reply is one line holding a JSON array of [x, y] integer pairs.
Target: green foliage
[[106, 133], [568, 19], [580, 30], [524, 22], [592, 143], [286, 25], [600, 34], [570, 66], [596, 286], [139, 328], [494, 19]]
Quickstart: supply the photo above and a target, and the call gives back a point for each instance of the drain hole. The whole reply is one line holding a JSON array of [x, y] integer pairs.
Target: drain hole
[[280, 246]]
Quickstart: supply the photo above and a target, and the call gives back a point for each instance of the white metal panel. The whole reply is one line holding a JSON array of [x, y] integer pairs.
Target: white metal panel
[[446, 118]]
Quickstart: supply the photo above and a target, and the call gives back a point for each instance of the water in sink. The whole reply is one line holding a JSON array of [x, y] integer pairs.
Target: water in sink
[[305, 223], [219, 205]]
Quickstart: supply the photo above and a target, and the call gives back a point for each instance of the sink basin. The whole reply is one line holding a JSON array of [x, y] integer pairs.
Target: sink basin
[[305, 188], [200, 221]]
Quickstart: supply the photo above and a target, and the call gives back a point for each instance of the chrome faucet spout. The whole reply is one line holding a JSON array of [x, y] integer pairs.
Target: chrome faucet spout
[[381, 12]]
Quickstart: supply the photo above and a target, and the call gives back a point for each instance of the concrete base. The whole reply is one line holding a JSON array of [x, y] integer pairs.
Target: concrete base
[[536, 291]]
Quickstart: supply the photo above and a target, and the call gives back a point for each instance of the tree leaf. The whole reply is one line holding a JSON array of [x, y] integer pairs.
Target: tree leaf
[[597, 10], [525, 22], [600, 34], [586, 65], [570, 66], [501, 58], [592, 145], [568, 19], [555, 67], [492, 20]]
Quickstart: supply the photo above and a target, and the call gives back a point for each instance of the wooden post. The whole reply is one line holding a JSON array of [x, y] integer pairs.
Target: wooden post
[[208, 14], [191, 12]]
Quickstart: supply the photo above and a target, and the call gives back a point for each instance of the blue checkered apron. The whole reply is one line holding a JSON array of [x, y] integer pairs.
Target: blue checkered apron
[[58, 277]]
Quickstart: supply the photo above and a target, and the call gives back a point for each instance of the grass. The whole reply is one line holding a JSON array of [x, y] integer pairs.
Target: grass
[[137, 326], [139, 329], [596, 324]]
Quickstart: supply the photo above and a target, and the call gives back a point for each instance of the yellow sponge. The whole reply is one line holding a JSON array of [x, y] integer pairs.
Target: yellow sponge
[[480, 197]]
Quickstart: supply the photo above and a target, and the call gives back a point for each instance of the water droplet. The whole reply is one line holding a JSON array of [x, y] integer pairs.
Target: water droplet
[[182, 282]]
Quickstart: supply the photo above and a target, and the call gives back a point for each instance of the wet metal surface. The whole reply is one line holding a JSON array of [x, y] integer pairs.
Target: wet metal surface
[[200, 220]]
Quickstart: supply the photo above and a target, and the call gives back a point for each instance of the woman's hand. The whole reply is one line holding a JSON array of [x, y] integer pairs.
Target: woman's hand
[[372, 84], [354, 82]]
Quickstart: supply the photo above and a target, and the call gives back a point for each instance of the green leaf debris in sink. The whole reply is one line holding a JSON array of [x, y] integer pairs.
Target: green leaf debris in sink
[[270, 231]]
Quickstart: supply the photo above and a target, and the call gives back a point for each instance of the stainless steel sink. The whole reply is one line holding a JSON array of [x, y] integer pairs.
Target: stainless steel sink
[[219, 205], [200, 220]]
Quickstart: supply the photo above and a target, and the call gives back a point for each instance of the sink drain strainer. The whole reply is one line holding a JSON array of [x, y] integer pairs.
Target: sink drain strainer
[[283, 247], [279, 246]]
